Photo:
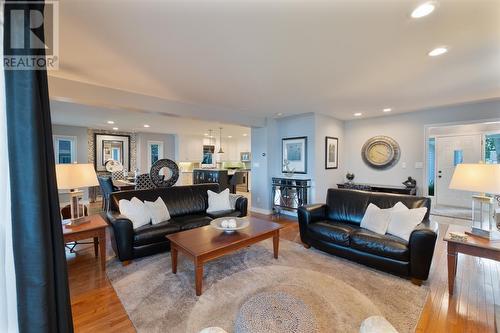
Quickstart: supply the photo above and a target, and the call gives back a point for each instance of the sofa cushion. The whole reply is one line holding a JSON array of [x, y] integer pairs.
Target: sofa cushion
[[382, 245], [224, 213], [148, 233], [331, 231], [187, 222]]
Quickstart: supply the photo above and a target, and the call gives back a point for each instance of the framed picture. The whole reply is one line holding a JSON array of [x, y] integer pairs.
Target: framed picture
[[294, 155], [111, 147], [331, 152], [245, 156]]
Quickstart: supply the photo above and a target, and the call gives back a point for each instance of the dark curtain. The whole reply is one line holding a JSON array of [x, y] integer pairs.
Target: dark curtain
[[40, 263]]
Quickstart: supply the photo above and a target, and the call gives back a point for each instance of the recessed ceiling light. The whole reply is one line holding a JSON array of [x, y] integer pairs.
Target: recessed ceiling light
[[279, 114], [111, 122], [358, 114], [229, 136], [438, 51], [491, 122], [115, 128], [206, 134], [423, 10], [146, 126], [387, 110], [244, 134]]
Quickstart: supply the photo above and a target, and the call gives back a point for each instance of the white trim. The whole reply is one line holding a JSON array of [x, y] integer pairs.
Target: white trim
[[8, 295], [72, 139], [160, 151]]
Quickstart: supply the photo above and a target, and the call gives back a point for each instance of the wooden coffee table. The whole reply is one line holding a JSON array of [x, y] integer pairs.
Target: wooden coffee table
[[206, 243], [474, 246]]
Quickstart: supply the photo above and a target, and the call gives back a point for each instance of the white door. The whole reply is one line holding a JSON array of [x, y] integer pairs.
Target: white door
[[450, 151]]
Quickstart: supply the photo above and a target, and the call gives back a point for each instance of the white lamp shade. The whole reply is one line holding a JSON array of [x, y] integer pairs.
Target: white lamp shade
[[71, 176], [484, 178]]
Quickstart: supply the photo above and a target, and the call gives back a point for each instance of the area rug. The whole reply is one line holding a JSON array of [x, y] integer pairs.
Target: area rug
[[453, 212], [314, 289]]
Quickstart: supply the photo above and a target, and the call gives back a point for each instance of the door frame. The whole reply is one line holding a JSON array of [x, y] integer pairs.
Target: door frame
[[427, 127]]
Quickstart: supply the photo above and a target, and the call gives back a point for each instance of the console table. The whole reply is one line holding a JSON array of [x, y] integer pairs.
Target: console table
[[379, 188], [290, 193]]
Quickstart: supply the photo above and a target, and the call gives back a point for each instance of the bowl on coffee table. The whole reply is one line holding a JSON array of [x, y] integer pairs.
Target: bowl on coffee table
[[230, 224]]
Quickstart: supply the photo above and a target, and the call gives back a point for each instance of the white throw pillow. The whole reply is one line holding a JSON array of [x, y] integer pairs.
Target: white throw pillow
[[218, 201], [404, 221], [135, 210], [157, 210], [377, 219]]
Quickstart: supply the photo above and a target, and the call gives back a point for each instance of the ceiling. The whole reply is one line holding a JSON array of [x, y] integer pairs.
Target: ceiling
[[64, 113], [241, 61]]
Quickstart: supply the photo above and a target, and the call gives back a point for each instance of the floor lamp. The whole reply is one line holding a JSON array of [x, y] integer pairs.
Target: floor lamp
[[73, 177], [483, 179]]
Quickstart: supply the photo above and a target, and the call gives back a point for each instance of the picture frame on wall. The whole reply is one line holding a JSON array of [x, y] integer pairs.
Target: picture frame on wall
[[294, 155], [331, 152], [111, 147]]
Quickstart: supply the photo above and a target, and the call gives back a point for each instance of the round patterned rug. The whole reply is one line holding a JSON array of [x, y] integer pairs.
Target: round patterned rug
[[275, 311]]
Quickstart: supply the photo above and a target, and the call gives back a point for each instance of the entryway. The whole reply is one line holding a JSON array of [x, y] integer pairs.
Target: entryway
[[450, 145]]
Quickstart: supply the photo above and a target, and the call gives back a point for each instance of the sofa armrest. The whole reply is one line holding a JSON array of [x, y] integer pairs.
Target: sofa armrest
[[309, 214], [422, 243], [241, 206], [123, 235]]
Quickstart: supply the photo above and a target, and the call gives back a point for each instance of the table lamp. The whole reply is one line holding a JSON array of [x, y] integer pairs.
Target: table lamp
[[481, 178], [72, 177]]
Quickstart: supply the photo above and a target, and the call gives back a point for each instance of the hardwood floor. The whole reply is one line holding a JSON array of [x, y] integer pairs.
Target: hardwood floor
[[97, 308]]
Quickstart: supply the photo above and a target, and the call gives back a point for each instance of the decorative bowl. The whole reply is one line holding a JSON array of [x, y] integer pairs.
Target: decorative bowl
[[241, 223]]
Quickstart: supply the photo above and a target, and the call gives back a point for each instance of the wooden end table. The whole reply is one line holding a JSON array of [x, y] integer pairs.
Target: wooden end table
[[206, 243], [474, 246], [95, 229]]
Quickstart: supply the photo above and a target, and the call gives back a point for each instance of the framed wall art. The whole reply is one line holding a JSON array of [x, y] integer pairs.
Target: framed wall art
[[331, 152], [294, 155]]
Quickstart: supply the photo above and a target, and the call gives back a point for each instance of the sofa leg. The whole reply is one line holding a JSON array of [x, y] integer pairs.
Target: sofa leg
[[416, 282], [306, 245], [126, 262]]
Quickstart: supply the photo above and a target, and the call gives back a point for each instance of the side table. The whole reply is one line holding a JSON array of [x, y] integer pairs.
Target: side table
[[95, 228], [473, 246]]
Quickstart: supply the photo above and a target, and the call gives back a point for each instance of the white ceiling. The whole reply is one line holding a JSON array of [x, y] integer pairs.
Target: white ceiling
[[65, 113], [241, 61]]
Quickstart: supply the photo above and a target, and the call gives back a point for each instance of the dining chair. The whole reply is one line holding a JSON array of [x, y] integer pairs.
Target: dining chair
[[144, 182], [107, 187]]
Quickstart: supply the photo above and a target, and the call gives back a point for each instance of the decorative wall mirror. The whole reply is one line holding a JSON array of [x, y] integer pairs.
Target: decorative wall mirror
[[111, 147]]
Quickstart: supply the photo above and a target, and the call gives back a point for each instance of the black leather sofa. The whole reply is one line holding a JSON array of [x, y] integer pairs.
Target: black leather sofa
[[187, 206], [334, 227]]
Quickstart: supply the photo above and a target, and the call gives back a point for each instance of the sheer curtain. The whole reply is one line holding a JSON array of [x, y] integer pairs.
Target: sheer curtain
[[8, 301]]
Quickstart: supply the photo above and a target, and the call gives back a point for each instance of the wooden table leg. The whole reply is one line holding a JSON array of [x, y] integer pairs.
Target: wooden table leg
[[452, 267], [173, 255], [96, 246], [198, 278], [276, 243], [102, 247]]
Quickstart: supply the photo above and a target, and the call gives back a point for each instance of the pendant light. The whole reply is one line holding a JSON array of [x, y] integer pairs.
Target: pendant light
[[220, 141]]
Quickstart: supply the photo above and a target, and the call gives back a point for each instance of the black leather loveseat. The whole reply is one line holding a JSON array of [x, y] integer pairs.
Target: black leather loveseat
[[334, 227], [187, 206]]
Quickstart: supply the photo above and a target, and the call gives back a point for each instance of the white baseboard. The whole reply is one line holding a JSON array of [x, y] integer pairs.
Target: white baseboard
[[261, 210]]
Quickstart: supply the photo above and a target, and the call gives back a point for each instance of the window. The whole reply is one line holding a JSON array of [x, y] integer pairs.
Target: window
[[431, 166], [492, 148], [65, 149], [155, 152]]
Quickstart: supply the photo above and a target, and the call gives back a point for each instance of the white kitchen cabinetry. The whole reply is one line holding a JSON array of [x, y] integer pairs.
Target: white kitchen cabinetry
[[190, 148]]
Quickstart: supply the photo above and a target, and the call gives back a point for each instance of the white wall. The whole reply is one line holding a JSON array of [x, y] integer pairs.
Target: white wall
[[142, 148], [409, 131], [328, 178]]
